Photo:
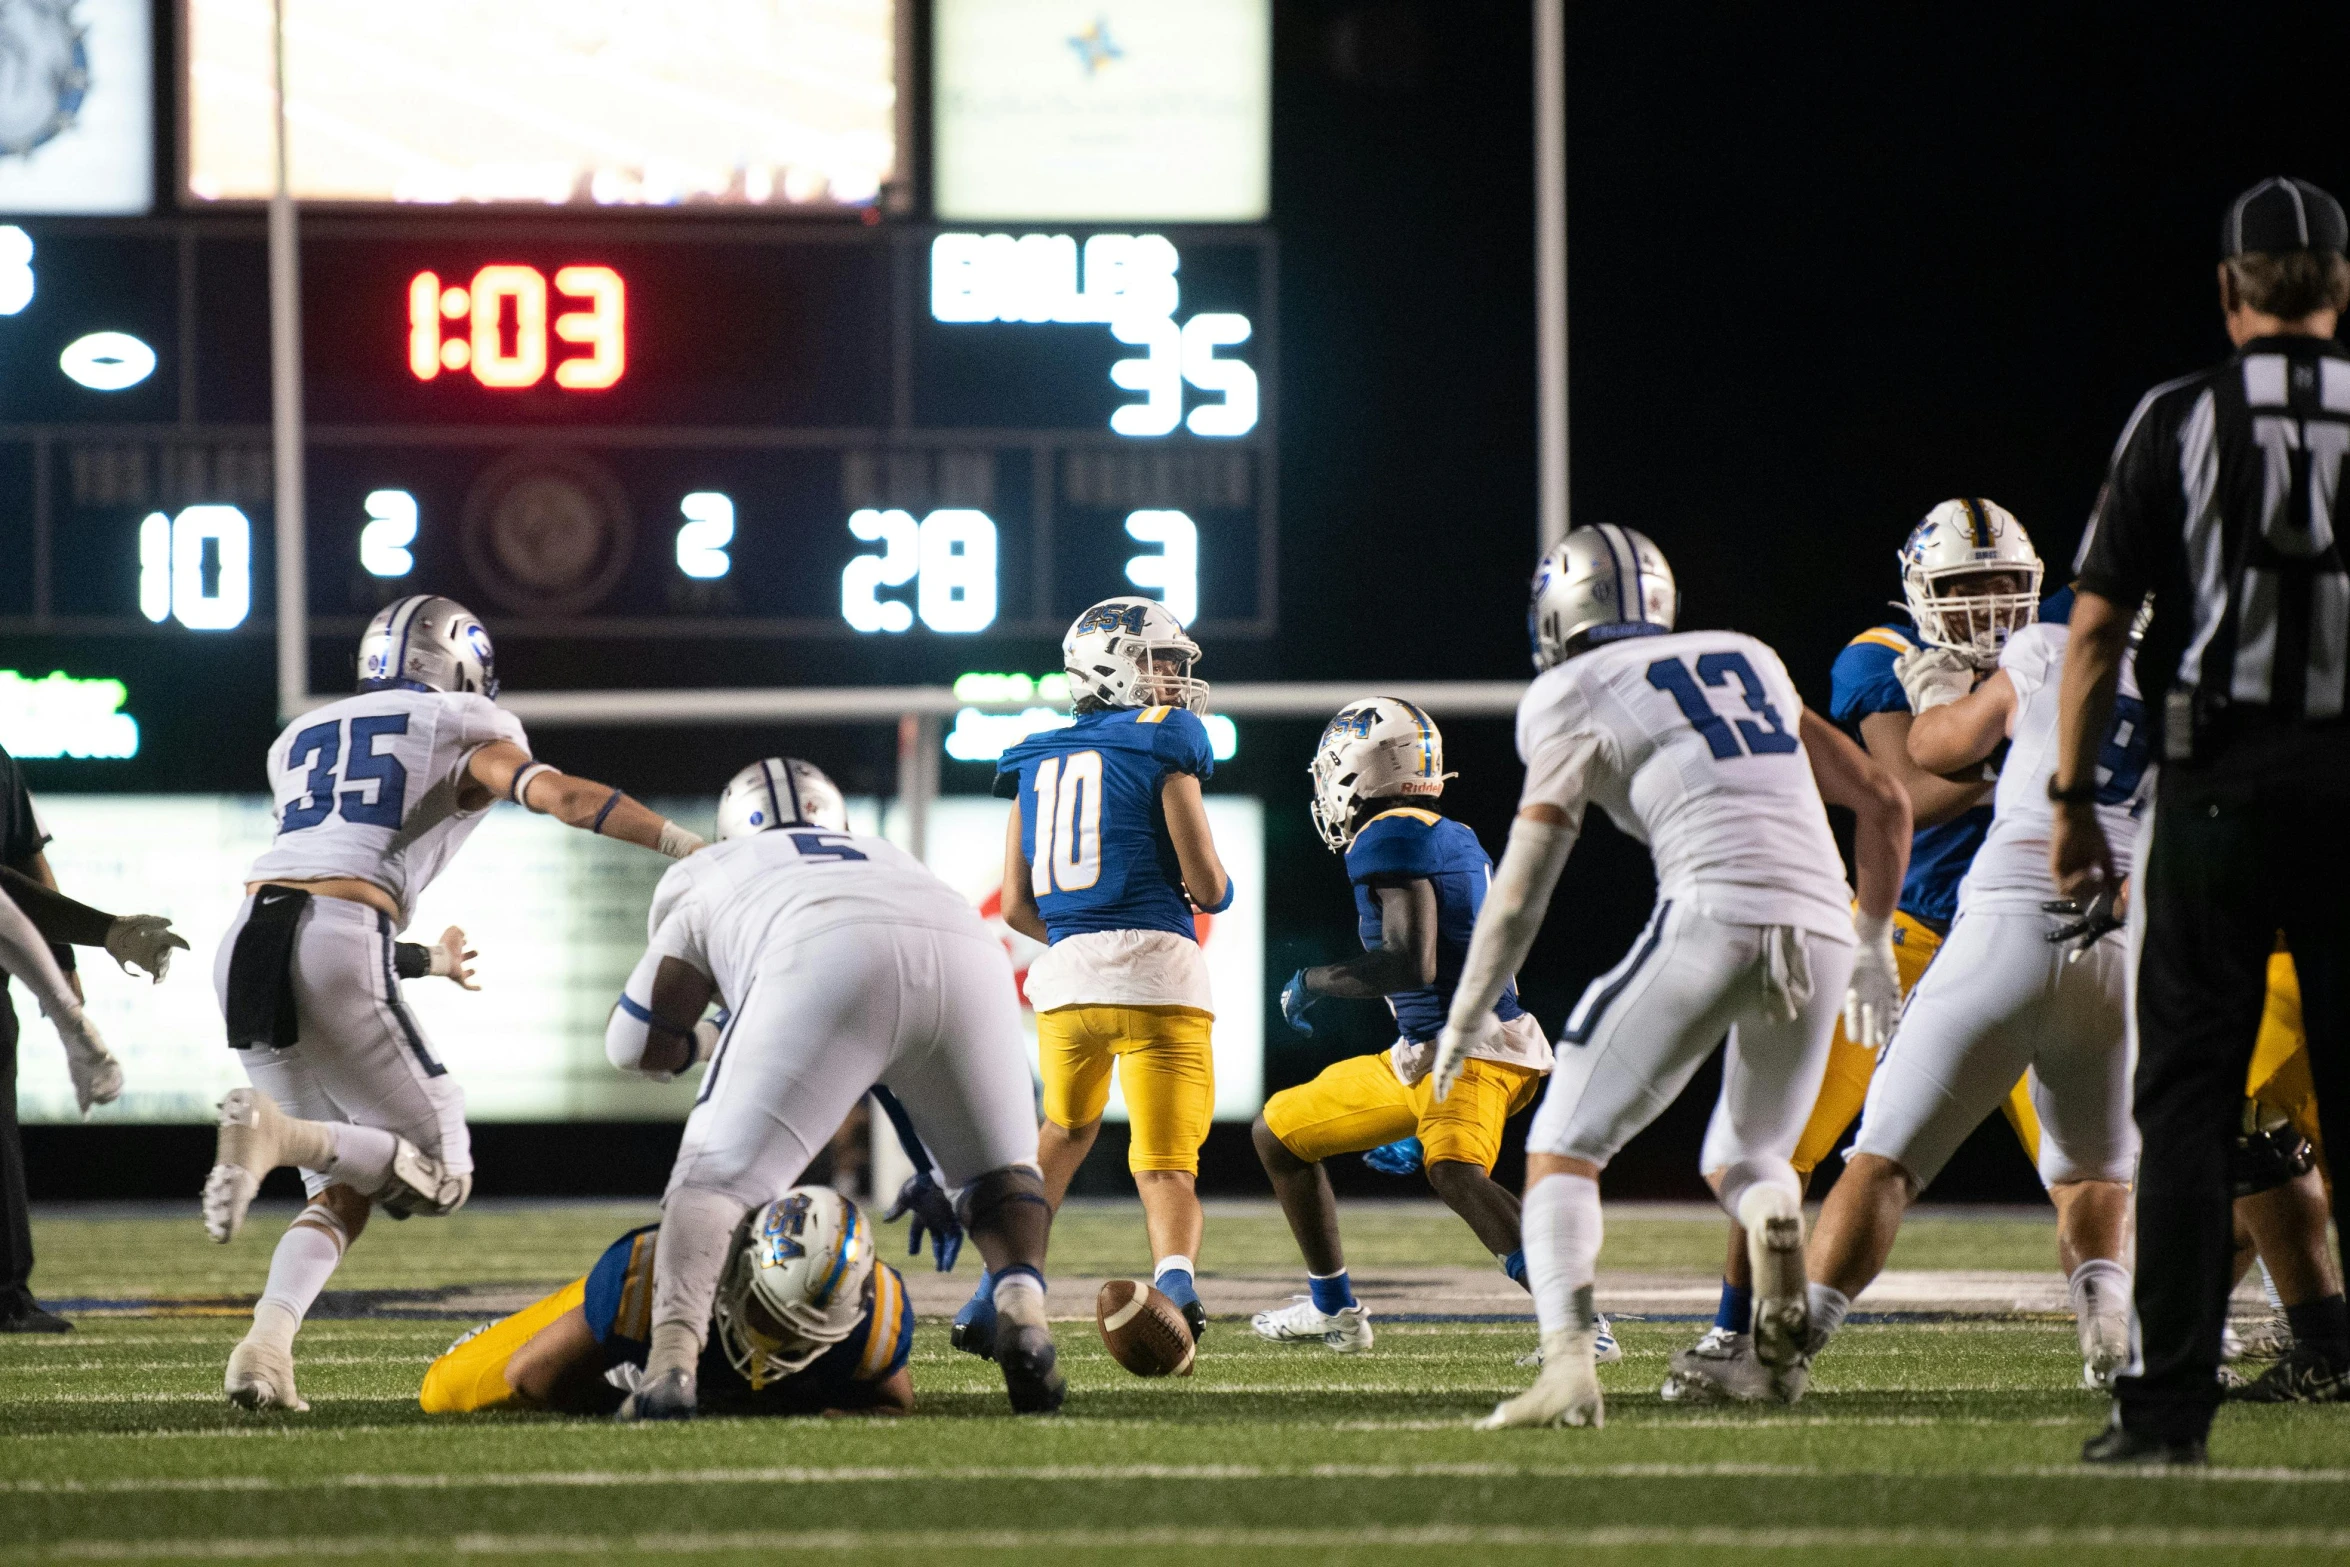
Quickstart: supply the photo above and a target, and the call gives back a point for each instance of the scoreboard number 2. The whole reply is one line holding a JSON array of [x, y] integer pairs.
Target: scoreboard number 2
[[498, 326]]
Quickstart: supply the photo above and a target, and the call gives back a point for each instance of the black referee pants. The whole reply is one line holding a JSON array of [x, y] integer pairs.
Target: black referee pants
[[2233, 862], [16, 1224]]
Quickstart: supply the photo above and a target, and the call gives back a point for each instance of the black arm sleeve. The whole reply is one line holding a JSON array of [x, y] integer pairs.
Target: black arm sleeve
[[903, 1125], [57, 917], [2139, 510], [411, 960]]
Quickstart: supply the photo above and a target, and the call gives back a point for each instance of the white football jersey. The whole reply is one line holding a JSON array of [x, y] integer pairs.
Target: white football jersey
[[2011, 868], [367, 787], [724, 909], [1689, 743]]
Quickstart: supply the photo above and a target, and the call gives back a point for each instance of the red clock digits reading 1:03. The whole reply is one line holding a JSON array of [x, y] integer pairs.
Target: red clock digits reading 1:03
[[505, 298]]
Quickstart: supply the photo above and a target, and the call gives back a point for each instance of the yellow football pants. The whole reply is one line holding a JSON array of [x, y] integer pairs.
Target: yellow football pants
[[472, 1374], [1360, 1103], [1846, 1087], [2279, 1077], [1164, 1063]]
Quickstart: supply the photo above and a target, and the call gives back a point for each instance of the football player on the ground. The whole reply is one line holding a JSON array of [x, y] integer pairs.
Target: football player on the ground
[[805, 1322], [1970, 576], [375, 795], [842, 964], [1697, 744], [1418, 881], [2022, 982], [1106, 859]]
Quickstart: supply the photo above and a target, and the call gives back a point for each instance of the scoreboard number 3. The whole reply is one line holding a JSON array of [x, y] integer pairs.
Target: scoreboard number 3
[[497, 326]]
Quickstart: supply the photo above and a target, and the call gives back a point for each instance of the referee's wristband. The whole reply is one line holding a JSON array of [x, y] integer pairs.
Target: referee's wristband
[[2084, 793]]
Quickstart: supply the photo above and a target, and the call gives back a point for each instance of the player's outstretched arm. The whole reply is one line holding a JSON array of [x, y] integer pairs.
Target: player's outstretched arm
[[505, 769], [97, 1076], [1849, 777], [1933, 799], [1195, 847], [143, 941], [1020, 911], [1405, 958], [1965, 732], [1541, 838]]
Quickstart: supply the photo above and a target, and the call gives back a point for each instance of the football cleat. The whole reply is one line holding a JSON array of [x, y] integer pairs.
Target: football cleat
[[1729, 1373], [1565, 1394], [1689, 1372], [2116, 1444], [245, 1150], [1605, 1350], [2105, 1347], [261, 1376], [1348, 1330], [1195, 1317], [2305, 1375], [1031, 1380], [669, 1396], [2265, 1339], [973, 1331]]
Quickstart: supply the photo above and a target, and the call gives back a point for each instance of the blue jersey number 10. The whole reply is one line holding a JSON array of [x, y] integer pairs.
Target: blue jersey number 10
[[321, 747], [1768, 737], [1068, 829]]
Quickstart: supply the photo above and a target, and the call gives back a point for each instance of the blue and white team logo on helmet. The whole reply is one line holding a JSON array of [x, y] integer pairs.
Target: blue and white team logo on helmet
[[1949, 569], [1597, 585], [427, 643], [1379, 748], [1132, 652], [780, 791]]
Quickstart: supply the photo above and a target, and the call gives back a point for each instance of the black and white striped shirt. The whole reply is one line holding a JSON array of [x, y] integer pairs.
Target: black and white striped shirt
[[2221, 502]]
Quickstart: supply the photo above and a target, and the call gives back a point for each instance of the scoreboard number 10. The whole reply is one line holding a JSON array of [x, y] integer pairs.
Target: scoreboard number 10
[[498, 326]]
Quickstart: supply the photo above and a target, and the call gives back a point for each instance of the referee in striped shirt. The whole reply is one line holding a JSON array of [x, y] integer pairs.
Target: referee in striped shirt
[[2222, 504]]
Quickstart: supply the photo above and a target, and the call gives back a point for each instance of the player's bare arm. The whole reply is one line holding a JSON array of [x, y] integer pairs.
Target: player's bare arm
[[1933, 799], [2078, 856], [1405, 958], [1849, 777], [1195, 847], [502, 769], [1020, 911], [1962, 733]]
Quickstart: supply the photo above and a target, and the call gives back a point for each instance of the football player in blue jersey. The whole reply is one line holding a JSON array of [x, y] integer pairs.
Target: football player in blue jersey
[[806, 1322], [1107, 859], [1970, 577], [1419, 879]]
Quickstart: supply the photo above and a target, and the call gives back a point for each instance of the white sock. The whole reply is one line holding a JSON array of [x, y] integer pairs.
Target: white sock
[[1561, 1228], [2104, 1275], [306, 1257], [689, 1255], [1164, 1264], [1828, 1306], [362, 1156], [1019, 1298]]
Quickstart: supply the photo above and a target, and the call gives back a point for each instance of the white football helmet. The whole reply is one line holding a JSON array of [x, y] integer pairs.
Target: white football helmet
[[427, 643], [794, 1283], [1960, 542], [781, 791], [1599, 584], [1377, 749], [1112, 652]]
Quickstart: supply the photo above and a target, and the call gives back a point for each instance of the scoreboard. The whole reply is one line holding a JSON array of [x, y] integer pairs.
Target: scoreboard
[[683, 428]]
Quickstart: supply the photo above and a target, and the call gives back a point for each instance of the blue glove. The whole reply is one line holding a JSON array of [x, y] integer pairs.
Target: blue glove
[[1400, 1157], [934, 1211], [1296, 1002]]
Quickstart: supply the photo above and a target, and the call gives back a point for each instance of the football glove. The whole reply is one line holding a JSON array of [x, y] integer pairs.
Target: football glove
[[97, 1076], [143, 941], [2088, 923], [1452, 1052], [1401, 1157], [1873, 1001], [1933, 677], [933, 1211], [1296, 1002]]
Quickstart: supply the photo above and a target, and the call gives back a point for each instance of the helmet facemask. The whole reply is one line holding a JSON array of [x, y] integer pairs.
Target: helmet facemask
[[795, 1283], [1973, 610], [1131, 652]]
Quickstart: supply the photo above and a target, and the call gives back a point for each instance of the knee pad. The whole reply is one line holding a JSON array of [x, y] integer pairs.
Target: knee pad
[[421, 1184], [986, 1196], [2268, 1157]]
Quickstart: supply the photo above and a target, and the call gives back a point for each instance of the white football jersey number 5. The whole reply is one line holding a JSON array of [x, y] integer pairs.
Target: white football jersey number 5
[[1068, 823]]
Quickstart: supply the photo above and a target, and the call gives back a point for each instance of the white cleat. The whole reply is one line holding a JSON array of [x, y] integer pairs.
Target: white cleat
[[1565, 1394], [1692, 1375], [1606, 1351], [1347, 1330], [1782, 1292], [245, 1151], [261, 1376], [2105, 1349]]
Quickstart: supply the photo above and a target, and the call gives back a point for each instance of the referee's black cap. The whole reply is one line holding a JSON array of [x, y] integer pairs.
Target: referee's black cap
[[2283, 214]]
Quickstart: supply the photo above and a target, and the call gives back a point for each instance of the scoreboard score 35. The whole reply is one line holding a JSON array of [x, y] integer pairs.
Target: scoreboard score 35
[[688, 430]]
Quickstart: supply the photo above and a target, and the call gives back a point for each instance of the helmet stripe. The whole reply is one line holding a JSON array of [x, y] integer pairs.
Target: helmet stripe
[[851, 1235], [1427, 738], [774, 804], [1979, 522], [405, 618], [1612, 536]]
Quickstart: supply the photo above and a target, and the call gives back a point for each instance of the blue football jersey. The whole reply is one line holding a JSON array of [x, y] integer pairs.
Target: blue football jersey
[[1091, 822], [1862, 682], [1410, 844]]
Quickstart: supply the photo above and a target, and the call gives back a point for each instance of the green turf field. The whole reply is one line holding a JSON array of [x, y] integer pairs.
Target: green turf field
[[1921, 1442]]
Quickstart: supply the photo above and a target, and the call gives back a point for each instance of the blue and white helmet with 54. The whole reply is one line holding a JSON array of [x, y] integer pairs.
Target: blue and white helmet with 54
[[794, 1282], [1597, 585], [1380, 748], [1971, 578], [1131, 652], [780, 791], [427, 643]]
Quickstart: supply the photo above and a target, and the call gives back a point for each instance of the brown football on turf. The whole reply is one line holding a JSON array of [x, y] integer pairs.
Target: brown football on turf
[[1144, 1330]]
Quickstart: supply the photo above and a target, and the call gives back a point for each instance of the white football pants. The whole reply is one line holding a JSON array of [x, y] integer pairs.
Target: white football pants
[[1642, 1030], [361, 1056], [930, 1013], [1998, 999]]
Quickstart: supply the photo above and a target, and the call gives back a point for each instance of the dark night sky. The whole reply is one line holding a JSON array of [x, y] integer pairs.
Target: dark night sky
[[1829, 265]]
